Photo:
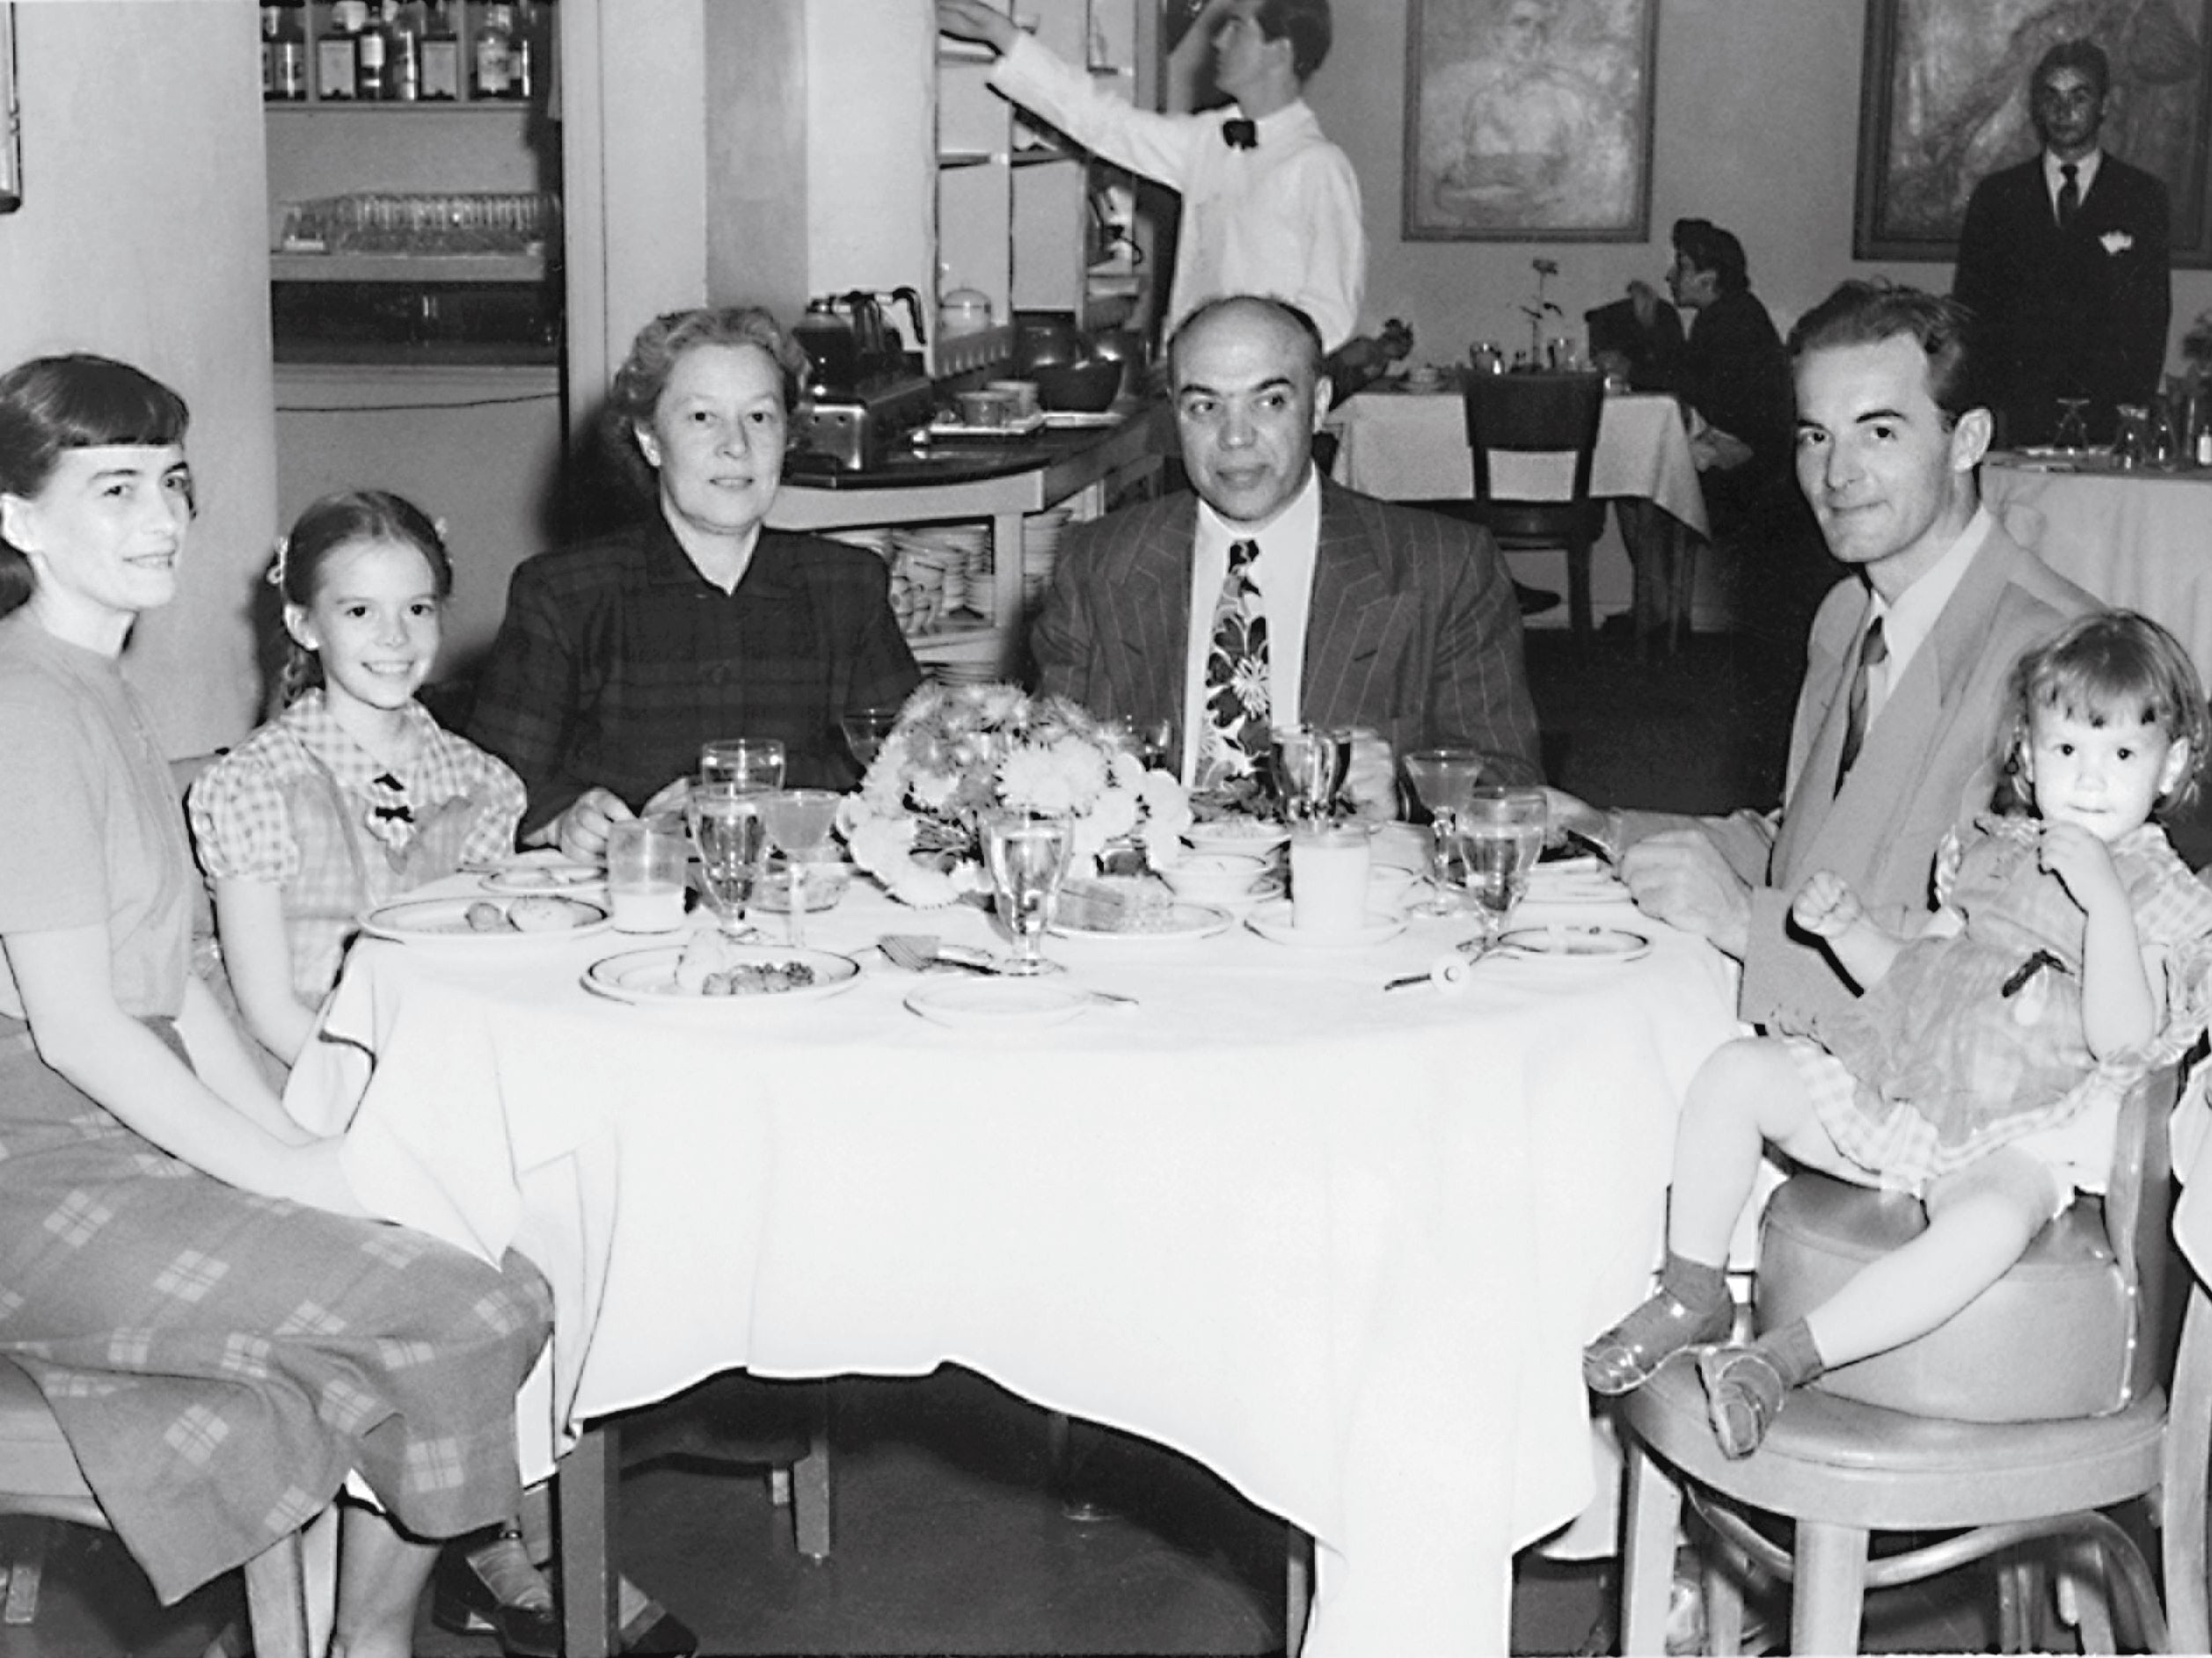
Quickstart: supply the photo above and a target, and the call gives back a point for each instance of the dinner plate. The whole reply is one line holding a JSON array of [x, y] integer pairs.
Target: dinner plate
[[1566, 944], [1575, 883], [1177, 922], [1000, 1004], [1272, 922], [647, 978], [556, 874], [446, 920], [1248, 834]]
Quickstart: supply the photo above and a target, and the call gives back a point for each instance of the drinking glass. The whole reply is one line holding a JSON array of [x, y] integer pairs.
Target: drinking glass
[[1026, 853], [1441, 778], [798, 821], [1499, 836], [751, 762], [645, 873], [2073, 425], [1146, 739], [727, 828], [1310, 765], [864, 729]]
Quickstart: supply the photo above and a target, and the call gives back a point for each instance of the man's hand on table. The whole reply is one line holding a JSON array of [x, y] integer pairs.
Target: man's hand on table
[[1371, 779], [973, 20], [1680, 877]]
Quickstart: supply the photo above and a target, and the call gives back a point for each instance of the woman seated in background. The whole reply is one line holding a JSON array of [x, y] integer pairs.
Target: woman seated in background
[[221, 1333], [617, 659]]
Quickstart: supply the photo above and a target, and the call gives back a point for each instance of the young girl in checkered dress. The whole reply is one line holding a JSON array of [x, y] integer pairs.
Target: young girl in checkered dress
[[1982, 1068], [354, 793]]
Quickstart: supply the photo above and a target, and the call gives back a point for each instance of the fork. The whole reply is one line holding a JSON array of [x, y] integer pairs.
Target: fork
[[920, 951]]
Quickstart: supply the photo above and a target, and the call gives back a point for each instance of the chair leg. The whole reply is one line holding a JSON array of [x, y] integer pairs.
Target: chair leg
[[810, 1482], [2084, 1600], [2019, 1602], [1831, 1588], [1723, 1606], [1297, 1590], [1683, 590], [585, 1499], [1578, 591], [2186, 1461], [24, 1571], [1652, 1516]]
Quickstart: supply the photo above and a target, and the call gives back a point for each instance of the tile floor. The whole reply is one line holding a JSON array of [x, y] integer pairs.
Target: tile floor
[[948, 1538]]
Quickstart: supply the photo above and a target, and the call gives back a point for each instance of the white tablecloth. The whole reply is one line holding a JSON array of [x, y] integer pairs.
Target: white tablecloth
[[2141, 540], [1341, 1246], [1413, 446]]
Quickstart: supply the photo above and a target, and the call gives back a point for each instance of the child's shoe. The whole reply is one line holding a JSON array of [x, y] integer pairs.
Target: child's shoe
[[1743, 1395], [1630, 1353]]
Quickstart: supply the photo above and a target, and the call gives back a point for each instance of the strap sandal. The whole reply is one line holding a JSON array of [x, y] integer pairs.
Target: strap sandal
[[1743, 1395], [1630, 1353]]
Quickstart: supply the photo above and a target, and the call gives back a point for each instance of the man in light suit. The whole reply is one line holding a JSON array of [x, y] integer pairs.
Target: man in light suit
[[1888, 441], [1399, 622], [2063, 260]]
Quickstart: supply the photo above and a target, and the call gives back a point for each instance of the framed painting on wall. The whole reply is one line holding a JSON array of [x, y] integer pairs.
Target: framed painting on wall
[[1944, 102], [10, 116], [1528, 121]]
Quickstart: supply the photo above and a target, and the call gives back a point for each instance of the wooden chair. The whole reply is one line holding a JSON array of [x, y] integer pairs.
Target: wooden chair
[[1842, 1469], [291, 1587], [1555, 414]]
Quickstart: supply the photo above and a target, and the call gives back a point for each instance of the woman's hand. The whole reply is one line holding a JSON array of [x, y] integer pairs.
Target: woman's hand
[[1826, 906], [973, 20], [580, 832], [2083, 865]]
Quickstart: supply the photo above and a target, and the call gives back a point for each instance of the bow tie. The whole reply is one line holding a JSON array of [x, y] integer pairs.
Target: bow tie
[[1240, 135]]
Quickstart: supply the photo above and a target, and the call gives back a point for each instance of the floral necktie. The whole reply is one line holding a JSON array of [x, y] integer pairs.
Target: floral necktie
[[1236, 674]]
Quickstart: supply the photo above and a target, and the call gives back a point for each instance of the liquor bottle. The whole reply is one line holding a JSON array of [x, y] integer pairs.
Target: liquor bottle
[[286, 55], [495, 52], [372, 57], [268, 50], [441, 55], [335, 75], [403, 69], [522, 51]]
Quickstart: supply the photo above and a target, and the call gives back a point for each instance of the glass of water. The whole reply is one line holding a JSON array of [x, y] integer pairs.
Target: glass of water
[[1026, 853], [751, 762], [732, 840], [1499, 839]]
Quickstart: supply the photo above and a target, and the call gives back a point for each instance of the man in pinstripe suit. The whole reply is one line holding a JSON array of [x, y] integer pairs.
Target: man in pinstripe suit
[[1398, 624]]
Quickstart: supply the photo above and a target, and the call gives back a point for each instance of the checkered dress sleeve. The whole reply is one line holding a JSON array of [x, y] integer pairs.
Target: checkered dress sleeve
[[241, 828]]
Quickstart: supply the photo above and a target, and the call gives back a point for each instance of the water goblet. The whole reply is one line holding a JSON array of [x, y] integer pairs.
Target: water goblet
[[798, 821], [1310, 766], [2072, 433], [751, 762], [727, 831], [1146, 739], [1441, 778], [1026, 853], [864, 729], [1500, 834]]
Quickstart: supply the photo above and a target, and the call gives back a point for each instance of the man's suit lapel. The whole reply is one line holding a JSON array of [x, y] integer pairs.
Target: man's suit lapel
[[1349, 579]]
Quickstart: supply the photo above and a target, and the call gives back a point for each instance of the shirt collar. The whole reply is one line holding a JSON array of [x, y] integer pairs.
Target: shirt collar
[[2084, 171], [771, 573], [1292, 533], [1907, 623]]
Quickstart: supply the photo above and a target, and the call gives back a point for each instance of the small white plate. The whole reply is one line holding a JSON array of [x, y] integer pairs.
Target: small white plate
[[997, 1004], [446, 920], [1249, 836], [1564, 944], [1272, 922], [560, 875], [1180, 921], [1399, 846], [647, 978]]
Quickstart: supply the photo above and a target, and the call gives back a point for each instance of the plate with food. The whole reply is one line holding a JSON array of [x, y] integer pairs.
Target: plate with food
[[547, 872], [1174, 921], [1574, 945], [484, 920], [711, 973]]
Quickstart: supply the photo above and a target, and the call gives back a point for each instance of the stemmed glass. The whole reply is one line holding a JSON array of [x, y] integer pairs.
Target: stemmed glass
[[864, 729], [1146, 739], [751, 762], [1499, 836], [1441, 778], [1310, 766], [1026, 853], [2073, 428], [798, 821], [727, 828]]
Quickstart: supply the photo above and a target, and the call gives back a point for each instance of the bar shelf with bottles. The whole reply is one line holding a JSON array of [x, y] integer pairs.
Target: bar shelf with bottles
[[377, 56]]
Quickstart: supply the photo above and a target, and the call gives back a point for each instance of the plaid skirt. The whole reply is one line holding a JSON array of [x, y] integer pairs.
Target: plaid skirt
[[218, 1360]]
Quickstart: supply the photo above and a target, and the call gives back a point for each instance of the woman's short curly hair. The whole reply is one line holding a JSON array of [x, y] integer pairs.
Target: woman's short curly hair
[[653, 355]]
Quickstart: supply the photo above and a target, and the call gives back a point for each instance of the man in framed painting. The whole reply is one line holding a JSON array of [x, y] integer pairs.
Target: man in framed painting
[[2063, 260]]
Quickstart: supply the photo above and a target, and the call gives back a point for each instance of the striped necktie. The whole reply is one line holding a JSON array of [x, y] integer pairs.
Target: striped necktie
[[1873, 651], [1236, 738]]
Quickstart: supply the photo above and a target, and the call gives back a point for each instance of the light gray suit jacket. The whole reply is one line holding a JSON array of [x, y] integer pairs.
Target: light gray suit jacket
[[1414, 631], [1929, 764]]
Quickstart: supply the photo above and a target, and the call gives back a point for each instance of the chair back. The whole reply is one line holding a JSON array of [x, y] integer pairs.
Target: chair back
[[1555, 413]]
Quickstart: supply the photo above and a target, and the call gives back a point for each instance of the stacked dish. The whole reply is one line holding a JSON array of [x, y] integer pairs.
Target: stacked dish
[[1040, 551], [938, 570]]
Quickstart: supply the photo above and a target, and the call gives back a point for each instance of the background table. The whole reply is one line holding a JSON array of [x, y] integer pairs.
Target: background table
[[1342, 1247], [1404, 445], [2141, 539]]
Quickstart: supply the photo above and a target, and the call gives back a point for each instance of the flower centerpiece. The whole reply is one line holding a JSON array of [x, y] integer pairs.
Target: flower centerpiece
[[959, 751]]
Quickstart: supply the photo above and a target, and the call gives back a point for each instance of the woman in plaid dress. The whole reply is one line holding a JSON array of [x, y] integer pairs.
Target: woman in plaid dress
[[184, 1272], [1983, 1067]]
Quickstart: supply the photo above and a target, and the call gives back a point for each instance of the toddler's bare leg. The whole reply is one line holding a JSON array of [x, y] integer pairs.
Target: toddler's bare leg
[[1747, 1094], [1980, 1220]]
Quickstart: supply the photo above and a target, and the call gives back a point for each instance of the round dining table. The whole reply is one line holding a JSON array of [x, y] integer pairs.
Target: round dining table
[[1339, 1244]]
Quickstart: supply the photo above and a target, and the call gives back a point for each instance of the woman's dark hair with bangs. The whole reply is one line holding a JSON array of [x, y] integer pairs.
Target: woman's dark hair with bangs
[[50, 405], [2112, 665]]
